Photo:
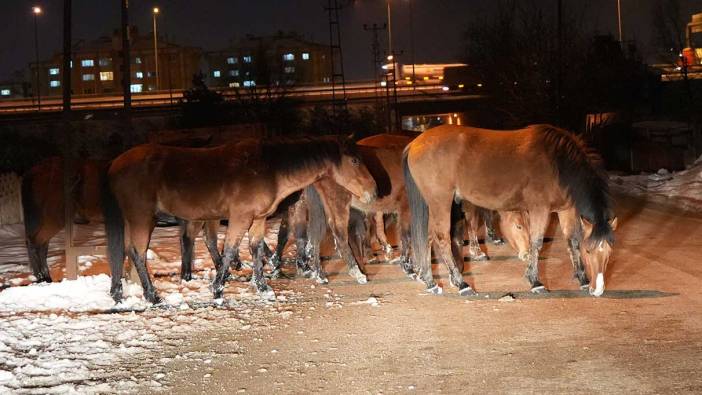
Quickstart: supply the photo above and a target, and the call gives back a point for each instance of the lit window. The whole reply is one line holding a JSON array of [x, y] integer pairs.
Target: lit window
[[233, 84], [231, 60], [136, 88], [139, 75], [137, 60], [288, 56], [249, 83], [234, 73], [53, 71], [106, 76], [289, 69], [71, 64], [87, 63], [216, 73], [105, 61], [248, 59], [5, 92], [88, 77], [305, 56], [54, 84]]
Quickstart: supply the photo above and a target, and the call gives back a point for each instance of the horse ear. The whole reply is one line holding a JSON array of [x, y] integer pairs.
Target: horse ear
[[587, 227], [613, 223]]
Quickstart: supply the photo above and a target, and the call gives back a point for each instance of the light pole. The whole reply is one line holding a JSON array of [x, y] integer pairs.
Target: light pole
[[389, 29], [36, 11], [619, 19], [155, 13], [411, 27]]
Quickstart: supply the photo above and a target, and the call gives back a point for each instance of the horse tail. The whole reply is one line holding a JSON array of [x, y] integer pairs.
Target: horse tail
[[419, 228], [114, 229], [32, 220]]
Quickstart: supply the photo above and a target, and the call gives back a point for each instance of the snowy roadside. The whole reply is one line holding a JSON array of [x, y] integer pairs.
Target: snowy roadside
[[682, 189]]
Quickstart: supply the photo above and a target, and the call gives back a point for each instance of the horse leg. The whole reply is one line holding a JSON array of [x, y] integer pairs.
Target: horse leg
[[211, 228], [404, 222], [140, 234], [256, 234], [38, 252], [235, 232], [457, 233], [440, 225], [357, 233], [188, 232], [276, 259], [538, 221], [381, 236], [570, 227], [490, 231], [474, 251], [337, 205]]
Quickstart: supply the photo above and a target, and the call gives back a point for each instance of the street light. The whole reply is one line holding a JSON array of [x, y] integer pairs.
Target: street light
[[36, 11], [155, 13]]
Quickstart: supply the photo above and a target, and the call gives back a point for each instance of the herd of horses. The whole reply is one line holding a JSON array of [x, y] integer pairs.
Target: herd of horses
[[435, 183]]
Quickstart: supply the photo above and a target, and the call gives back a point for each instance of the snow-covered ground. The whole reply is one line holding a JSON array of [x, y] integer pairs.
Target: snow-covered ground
[[69, 336], [682, 189]]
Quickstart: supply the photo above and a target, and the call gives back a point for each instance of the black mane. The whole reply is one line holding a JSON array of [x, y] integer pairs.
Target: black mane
[[581, 172], [297, 154]]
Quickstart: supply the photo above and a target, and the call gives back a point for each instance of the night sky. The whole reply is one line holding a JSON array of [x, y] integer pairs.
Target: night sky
[[210, 24]]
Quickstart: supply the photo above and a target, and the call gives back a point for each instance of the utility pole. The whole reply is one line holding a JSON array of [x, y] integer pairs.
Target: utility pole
[[66, 72], [336, 56], [156, 11], [36, 11], [411, 27], [375, 52], [559, 71], [619, 21], [126, 59]]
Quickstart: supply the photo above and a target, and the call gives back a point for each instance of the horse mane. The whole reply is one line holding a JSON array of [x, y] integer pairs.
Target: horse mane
[[292, 155], [581, 172]]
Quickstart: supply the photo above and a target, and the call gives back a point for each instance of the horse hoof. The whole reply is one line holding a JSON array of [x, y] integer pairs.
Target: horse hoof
[[498, 241], [116, 296], [187, 277], [321, 279], [358, 275], [539, 290], [466, 290], [584, 287], [153, 298], [435, 290], [479, 258], [266, 293]]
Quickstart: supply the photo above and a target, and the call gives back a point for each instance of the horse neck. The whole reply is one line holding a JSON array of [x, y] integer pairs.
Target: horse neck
[[289, 182]]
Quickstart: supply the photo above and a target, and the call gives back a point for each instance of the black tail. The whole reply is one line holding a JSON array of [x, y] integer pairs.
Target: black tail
[[114, 229], [419, 223], [32, 220]]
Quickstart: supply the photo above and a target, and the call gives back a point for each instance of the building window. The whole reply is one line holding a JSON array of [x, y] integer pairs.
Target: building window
[[105, 61], [71, 64], [136, 88], [233, 84], [106, 76], [305, 56], [54, 84], [53, 71], [216, 73], [231, 60], [139, 75], [289, 69], [137, 60], [249, 83], [88, 77], [248, 59], [87, 63], [288, 56], [234, 73], [5, 92]]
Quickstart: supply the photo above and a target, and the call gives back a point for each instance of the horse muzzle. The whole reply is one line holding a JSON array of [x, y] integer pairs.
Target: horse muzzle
[[599, 286]]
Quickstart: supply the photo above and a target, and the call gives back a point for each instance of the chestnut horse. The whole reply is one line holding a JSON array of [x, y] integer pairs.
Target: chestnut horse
[[243, 182], [537, 170]]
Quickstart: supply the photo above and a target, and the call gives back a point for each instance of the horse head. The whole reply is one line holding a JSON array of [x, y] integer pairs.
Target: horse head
[[515, 230], [353, 175], [595, 250]]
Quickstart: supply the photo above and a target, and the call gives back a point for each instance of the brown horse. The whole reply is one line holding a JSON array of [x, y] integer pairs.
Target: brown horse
[[537, 170], [43, 205], [243, 182]]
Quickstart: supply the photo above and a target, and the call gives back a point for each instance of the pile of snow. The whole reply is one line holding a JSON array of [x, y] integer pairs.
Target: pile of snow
[[684, 188], [89, 293]]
